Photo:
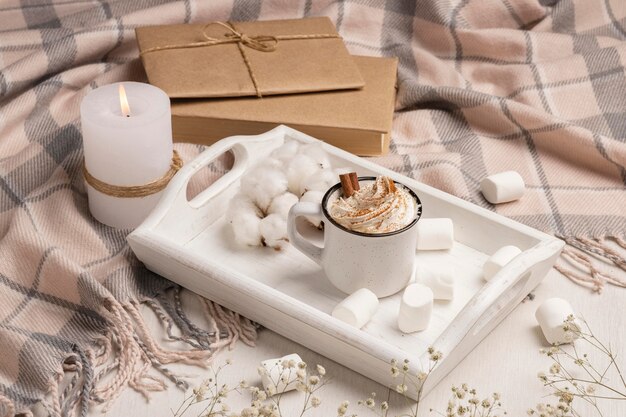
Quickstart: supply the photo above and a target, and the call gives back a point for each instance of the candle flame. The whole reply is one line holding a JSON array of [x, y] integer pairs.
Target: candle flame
[[124, 101]]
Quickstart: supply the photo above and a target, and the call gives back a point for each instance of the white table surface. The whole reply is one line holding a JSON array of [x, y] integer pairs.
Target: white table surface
[[507, 361]]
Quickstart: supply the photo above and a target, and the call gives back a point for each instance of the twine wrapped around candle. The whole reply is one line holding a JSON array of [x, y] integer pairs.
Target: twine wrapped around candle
[[262, 43], [134, 191]]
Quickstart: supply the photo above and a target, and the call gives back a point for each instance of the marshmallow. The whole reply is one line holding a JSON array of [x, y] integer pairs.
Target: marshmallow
[[503, 256], [551, 315], [434, 234], [503, 187], [280, 378], [358, 308], [440, 280], [416, 307]]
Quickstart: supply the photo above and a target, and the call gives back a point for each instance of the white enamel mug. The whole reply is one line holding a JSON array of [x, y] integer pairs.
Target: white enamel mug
[[351, 260]]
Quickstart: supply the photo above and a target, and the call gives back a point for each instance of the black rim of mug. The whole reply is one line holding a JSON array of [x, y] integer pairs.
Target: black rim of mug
[[335, 187]]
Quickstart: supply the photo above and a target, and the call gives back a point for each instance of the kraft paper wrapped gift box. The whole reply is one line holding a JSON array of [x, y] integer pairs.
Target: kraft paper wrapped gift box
[[358, 121], [236, 59]]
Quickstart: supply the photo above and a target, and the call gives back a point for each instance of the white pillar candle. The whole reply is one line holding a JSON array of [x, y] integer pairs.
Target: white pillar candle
[[125, 150]]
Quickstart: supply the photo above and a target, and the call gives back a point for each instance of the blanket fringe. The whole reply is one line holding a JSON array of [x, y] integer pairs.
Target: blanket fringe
[[71, 394], [600, 248], [240, 327], [127, 352], [620, 241], [581, 261], [52, 402], [7, 408]]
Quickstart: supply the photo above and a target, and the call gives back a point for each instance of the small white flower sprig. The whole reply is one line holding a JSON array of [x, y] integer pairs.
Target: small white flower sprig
[[465, 402], [210, 393], [572, 376], [266, 403], [408, 382]]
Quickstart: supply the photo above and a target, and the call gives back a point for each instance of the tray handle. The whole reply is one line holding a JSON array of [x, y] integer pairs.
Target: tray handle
[[498, 298], [174, 205], [241, 161]]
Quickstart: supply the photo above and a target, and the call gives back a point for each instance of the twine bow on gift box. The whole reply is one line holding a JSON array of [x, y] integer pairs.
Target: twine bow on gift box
[[261, 43]]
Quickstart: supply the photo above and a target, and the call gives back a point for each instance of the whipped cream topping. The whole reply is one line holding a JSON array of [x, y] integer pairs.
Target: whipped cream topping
[[378, 207]]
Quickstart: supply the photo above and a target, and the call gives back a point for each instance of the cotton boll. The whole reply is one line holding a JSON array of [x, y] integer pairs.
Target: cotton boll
[[313, 197], [246, 228], [273, 229], [320, 180], [244, 217], [241, 203], [262, 183], [273, 163], [286, 151], [299, 168], [281, 204], [317, 153]]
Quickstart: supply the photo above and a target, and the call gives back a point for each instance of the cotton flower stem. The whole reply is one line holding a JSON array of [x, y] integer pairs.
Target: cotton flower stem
[[602, 397], [566, 383], [386, 413], [212, 398], [587, 370], [604, 349], [181, 406], [552, 383], [567, 377], [307, 396], [420, 386], [407, 400], [583, 396]]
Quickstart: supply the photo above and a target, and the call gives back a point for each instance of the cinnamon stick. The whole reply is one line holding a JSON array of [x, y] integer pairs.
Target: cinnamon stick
[[392, 185], [346, 184], [355, 181]]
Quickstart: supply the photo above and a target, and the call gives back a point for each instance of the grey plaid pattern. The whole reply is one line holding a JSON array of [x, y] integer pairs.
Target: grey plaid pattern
[[484, 86]]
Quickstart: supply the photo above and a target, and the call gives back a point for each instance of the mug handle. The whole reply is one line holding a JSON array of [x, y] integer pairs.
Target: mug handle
[[303, 245]]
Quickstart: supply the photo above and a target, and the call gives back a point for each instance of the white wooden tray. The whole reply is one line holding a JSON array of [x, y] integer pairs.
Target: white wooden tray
[[190, 243]]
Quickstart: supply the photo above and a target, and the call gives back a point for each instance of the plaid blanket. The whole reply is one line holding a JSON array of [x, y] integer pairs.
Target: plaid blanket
[[537, 86]]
